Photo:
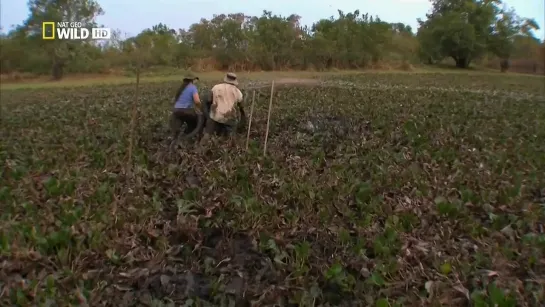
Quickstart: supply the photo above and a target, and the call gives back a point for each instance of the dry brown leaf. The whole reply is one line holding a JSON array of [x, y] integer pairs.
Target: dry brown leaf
[[460, 288]]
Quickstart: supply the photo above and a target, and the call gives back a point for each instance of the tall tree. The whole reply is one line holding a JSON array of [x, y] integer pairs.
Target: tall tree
[[466, 29], [508, 29], [459, 28], [60, 52]]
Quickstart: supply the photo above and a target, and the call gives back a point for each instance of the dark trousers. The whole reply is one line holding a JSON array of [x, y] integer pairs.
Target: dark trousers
[[213, 127], [181, 116]]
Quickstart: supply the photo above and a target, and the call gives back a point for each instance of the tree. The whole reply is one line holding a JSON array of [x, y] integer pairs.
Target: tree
[[458, 29], [466, 29], [508, 29], [60, 52], [236, 41]]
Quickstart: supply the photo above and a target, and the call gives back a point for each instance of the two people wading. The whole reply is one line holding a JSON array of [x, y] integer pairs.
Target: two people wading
[[219, 108]]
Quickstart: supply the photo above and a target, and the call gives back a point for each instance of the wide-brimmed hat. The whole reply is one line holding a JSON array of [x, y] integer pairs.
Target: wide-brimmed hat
[[190, 76], [230, 78]]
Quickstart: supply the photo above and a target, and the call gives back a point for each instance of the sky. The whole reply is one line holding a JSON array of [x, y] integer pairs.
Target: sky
[[132, 16]]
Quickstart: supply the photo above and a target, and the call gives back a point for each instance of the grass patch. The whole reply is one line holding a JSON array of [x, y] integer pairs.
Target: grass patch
[[404, 189]]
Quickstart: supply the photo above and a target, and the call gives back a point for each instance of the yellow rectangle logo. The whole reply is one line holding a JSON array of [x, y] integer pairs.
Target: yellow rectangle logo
[[44, 32]]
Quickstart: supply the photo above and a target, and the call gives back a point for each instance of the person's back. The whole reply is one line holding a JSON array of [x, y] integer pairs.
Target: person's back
[[225, 98], [185, 100], [184, 107]]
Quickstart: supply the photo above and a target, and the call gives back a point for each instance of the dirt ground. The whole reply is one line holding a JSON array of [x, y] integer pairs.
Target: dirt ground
[[281, 82], [297, 81]]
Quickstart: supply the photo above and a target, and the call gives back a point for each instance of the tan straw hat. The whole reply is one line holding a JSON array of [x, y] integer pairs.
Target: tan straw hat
[[230, 78]]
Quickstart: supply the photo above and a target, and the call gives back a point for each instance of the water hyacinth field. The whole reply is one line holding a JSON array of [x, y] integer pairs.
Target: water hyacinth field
[[387, 189]]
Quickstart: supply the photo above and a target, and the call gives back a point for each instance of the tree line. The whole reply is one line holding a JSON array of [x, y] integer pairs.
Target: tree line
[[465, 31]]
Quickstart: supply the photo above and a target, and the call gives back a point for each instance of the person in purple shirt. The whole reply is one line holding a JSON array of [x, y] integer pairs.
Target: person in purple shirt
[[186, 99]]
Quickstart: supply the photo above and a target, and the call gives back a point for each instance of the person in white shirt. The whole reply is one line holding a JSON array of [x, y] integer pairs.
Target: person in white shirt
[[226, 100]]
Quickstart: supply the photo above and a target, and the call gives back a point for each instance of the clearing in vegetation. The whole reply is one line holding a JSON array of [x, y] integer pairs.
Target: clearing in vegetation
[[376, 190]]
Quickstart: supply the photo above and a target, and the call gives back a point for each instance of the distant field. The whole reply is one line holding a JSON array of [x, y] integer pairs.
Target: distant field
[[378, 189], [71, 81], [166, 76]]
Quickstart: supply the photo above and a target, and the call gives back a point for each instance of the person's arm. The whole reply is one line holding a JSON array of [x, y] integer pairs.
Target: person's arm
[[241, 125], [196, 97], [240, 97]]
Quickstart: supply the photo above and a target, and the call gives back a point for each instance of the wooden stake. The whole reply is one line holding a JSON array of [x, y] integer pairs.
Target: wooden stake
[[250, 121], [268, 120], [133, 117]]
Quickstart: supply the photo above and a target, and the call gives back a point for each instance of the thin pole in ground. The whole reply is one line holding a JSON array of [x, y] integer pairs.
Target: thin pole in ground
[[250, 121], [133, 116], [268, 120]]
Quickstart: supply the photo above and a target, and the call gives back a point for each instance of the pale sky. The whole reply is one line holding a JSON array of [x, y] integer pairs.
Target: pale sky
[[132, 16]]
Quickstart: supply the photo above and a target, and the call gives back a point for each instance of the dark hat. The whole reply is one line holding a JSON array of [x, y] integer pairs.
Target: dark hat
[[190, 76]]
